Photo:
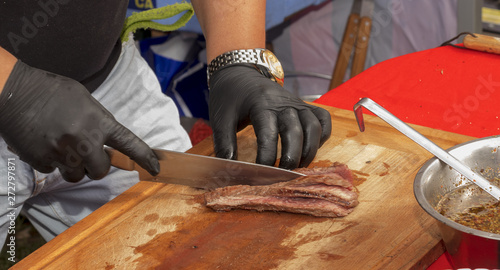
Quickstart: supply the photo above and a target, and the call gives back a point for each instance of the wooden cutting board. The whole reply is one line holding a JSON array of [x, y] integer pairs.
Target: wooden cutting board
[[161, 226]]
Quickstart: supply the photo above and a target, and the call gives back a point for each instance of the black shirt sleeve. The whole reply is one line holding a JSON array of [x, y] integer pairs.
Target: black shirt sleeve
[[74, 38]]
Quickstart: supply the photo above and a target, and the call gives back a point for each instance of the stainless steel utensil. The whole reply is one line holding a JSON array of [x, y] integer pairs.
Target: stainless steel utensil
[[424, 142]]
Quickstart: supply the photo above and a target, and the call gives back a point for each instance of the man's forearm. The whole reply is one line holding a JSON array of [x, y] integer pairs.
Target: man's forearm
[[7, 62], [231, 24]]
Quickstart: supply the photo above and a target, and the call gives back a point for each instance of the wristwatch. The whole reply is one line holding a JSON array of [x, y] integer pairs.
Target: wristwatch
[[264, 60]]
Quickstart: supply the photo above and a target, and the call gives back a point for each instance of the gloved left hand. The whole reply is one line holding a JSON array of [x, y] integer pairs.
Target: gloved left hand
[[240, 94]]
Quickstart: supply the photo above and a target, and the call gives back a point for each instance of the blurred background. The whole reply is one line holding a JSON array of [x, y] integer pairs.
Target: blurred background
[[306, 35]]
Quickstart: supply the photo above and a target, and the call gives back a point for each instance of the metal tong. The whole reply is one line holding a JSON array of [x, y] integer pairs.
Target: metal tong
[[424, 142]]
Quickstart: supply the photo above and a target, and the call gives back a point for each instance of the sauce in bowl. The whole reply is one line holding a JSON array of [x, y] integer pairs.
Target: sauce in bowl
[[472, 207]]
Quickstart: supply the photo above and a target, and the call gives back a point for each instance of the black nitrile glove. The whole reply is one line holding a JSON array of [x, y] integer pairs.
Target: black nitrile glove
[[240, 94], [52, 121]]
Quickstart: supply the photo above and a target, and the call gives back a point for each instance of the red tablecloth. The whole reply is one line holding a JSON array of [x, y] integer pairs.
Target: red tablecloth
[[445, 88]]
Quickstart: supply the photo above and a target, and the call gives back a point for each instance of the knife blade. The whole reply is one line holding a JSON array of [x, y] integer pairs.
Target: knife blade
[[203, 172]]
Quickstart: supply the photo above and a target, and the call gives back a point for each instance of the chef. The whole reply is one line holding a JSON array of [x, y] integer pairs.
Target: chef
[[69, 86]]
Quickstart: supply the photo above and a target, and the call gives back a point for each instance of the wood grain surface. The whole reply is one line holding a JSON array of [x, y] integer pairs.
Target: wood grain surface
[[154, 225]]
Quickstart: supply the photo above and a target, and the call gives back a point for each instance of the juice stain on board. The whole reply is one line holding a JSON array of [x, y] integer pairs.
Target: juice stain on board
[[232, 240], [239, 239]]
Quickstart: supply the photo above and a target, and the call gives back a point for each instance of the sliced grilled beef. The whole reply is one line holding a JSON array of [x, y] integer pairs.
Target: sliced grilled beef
[[323, 192]]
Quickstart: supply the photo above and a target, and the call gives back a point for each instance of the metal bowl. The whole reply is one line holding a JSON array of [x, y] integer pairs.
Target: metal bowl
[[467, 247]]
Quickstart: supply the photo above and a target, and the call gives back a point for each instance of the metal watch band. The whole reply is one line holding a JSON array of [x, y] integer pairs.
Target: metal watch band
[[251, 56]]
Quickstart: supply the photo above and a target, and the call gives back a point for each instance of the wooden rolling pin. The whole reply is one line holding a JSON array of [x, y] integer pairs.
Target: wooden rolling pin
[[482, 43]]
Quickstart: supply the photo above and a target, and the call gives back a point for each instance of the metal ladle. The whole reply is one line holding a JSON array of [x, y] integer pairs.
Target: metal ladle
[[424, 142]]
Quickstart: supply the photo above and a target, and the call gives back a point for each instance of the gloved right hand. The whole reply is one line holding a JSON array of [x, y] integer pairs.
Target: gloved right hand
[[52, 121]]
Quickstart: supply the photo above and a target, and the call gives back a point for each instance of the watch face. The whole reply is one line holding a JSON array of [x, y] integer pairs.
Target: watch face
[[274, 65]]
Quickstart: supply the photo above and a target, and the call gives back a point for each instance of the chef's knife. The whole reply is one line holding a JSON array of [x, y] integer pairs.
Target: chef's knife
[[203, 171]]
